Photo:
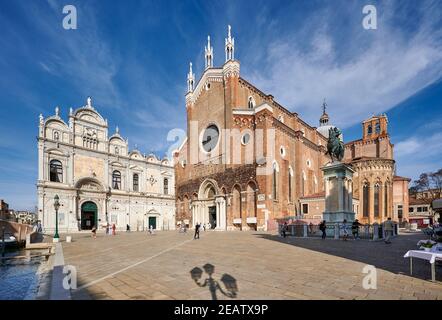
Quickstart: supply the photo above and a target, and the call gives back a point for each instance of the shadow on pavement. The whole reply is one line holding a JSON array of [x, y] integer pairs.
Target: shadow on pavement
[[389, 257], [213, 285]]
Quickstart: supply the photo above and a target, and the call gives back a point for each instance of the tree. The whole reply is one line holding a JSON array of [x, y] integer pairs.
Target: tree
[[430, 182], [436, 182]]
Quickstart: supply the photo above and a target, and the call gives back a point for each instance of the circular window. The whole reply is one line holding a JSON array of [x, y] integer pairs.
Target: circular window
[[207, 86], [282, 151], [245, 138], [309, 163], [210, 138]]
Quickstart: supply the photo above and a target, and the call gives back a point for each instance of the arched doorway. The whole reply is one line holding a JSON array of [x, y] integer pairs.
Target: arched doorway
[[237, 207], [251, 206], [89, 215]]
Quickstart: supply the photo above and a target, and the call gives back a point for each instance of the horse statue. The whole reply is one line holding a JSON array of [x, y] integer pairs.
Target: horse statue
[[335, 147]]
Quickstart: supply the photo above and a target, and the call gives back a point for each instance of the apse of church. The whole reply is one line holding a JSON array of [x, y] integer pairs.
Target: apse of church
[[97, 178]]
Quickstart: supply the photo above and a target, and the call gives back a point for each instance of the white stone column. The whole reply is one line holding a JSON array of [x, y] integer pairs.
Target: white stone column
[[350, 196], [192, 209], [327, 192], [218, 209], [340, 194], [40, 162]]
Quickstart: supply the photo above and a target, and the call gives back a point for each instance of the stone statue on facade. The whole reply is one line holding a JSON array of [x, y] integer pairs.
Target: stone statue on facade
[[335, 147]]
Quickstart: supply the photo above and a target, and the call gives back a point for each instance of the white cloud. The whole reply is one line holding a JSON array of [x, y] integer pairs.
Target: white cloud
[[420, 146], [419, 154], [367, 72]]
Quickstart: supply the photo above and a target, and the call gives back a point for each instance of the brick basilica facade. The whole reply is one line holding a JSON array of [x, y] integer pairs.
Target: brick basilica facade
[[247, 161]]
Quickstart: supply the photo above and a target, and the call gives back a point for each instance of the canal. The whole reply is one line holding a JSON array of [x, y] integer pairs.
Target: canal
[[18, 277]]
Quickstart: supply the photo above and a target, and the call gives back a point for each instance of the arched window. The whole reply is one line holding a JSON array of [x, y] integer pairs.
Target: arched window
[[166, 186], [366, 199], [369, 130], [386, 199], [116, 180], [275, 182], [117, 150], [251, 103], [378, 127], [376, 199], [55, 171], [136, 182]]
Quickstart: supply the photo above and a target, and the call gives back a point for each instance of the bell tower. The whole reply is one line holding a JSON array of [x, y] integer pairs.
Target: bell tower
[[375, 127]]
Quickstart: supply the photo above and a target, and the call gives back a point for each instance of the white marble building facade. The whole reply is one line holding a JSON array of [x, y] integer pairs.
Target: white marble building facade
[[98, 179]]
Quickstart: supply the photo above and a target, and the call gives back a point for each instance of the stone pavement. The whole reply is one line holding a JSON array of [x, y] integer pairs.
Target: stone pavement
[[246, 265]]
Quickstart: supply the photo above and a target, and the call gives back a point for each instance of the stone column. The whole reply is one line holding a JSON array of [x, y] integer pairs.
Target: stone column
[[327, 192], [218, 212], [350, 196], [223, 216], [371, 202], [340, 194], [40, 162]]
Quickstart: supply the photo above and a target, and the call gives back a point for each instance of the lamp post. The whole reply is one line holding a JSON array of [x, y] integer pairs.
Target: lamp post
[[56, 207]]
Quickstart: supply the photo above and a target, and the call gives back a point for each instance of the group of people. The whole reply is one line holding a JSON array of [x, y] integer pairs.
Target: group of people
[[388, 228], [344, 228]]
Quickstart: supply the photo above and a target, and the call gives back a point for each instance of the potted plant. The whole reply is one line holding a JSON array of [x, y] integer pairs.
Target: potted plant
[[426, 244]]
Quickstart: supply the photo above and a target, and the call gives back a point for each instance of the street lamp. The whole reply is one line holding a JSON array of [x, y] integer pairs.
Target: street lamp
[[56, 207]]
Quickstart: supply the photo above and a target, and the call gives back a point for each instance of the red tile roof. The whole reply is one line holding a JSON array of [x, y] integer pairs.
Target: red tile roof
[[399, 178]]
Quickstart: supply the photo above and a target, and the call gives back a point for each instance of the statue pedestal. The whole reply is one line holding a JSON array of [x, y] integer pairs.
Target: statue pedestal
[[338, 194]]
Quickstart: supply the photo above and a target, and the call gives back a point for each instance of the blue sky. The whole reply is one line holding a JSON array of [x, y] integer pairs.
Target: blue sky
[[132, 58]]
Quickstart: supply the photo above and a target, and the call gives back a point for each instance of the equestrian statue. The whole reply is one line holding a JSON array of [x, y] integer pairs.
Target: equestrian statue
[[335, 147]]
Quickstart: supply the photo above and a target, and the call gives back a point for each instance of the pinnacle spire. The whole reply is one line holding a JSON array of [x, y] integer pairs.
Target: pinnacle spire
[[208, 54], [190, 79], [230, 45]]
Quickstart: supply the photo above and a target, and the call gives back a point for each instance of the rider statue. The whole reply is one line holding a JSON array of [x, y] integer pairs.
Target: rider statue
[[335, 147]]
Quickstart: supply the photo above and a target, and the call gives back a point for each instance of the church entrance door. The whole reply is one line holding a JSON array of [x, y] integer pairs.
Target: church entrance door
[[88, 215], [153, 222], [212, 217]]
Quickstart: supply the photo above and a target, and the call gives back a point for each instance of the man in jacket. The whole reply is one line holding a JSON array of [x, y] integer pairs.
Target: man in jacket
[[388, 225]]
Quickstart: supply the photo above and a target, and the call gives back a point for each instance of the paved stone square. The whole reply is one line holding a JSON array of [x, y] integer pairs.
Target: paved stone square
[[261, 266]]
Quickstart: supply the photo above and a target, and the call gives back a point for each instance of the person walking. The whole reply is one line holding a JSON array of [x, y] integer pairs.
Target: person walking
[[94, 232], [344, 230], [355, 229], [113, 229], [127, 228], [284, 229], [197, 231], [388, 226], [323, 228], [151, 229]]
